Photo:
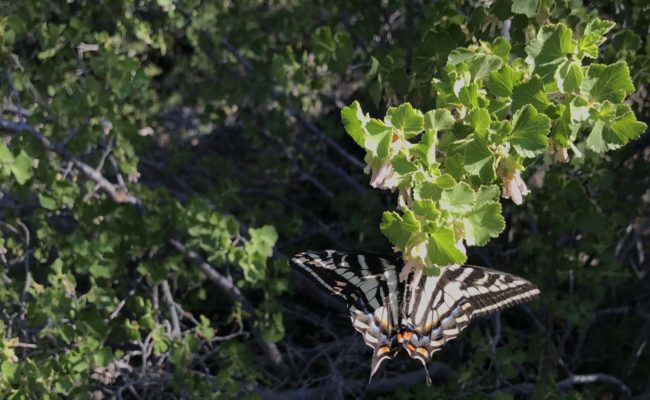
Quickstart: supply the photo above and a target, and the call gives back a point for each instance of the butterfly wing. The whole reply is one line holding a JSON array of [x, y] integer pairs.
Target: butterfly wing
[[368, 285], [439, 308]]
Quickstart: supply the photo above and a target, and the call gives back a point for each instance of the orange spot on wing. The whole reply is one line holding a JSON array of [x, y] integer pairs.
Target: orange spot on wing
[[410, 346], [382, 350], [423, 351]]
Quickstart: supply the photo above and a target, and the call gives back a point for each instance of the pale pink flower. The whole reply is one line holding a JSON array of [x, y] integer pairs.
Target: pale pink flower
[[405, 198], [561, 154], [383, 177], [514, 188], [415, 257]]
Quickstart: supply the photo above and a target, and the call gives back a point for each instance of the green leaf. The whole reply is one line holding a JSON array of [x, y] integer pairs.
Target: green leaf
[[100, 271], [336, 49], [549, 49], [426, 148], [22, 167], [354, 121], [427, 190], [530, 92], [273, 328], [607, 82], [479, 119], [460, 55], [445, 181], [501, 82], [438, 120], [569, 76], [487, 193], [435, 46], [484, 223], [479, 160], [459, 199], [379, 138], [468, 95], [263, 239], [483, 64], [402, 165], [47, 202], [530, 131], [103, 357], [399, 80], [406, 118], [5, 155], [8, 370], [442, 250], [614, 132], [501, 47], [593, 37], [529, 8], [599, 26], [454, 165], [399, 229], [564, 130], [426, 208]]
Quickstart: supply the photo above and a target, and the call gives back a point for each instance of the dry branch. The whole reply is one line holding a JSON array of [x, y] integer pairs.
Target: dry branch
[[119, 194], [233, 293]]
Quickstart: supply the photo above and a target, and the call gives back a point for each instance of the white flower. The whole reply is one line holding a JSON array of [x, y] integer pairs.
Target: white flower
[[415, 257], [383, 173], [383, 177], [405, 198], [561, 154], [514, 188]]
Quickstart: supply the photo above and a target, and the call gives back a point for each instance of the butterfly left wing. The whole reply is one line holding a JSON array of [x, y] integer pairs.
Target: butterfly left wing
[[368, 285], [439, 308]]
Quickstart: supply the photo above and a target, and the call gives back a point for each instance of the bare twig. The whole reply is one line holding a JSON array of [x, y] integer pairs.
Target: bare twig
[[311, 127], [16, 95], [353, 183], [118, 194], [167, 295], [573, 380], [637, 349], [593, 378], [233, 293], [240, 58], [28, 273], [331, 386]]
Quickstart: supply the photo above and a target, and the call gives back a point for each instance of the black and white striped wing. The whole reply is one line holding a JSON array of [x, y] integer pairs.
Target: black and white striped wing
[[439, 308], [369, 286], [489, 291]]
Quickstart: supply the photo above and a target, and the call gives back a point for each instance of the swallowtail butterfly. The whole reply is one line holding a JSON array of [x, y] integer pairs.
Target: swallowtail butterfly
[[421, 318]]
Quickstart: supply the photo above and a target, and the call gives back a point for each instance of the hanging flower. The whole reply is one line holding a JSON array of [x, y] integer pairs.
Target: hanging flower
[[561, 154], [514, 188], [405, 198], [383, 176], [415, 257]]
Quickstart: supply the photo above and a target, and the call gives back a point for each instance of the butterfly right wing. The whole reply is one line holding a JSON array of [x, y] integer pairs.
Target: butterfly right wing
[[368, 285], [440, 307]]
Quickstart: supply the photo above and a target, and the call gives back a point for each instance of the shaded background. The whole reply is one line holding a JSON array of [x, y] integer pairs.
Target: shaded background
[[162, 159]]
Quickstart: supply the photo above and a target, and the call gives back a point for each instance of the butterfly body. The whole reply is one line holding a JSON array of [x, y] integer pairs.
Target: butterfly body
[[418, 317]]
